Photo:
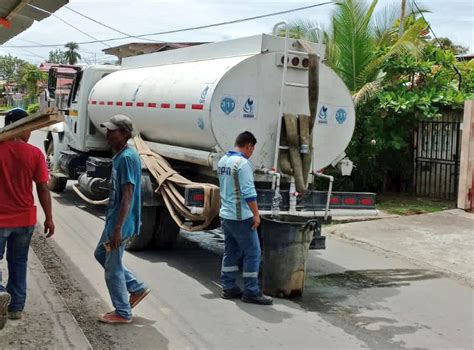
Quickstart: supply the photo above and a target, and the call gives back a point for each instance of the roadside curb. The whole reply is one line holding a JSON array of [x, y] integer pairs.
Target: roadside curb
[[72, 322]]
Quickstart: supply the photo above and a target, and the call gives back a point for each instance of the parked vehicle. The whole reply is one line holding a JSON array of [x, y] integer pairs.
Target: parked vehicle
[[189, 104]]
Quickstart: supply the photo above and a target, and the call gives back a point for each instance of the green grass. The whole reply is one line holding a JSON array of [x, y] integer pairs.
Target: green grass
[[411, 205]]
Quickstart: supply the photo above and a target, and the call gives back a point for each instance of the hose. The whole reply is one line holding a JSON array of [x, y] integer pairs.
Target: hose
[[87, 199], [168, 182], [291, 124]]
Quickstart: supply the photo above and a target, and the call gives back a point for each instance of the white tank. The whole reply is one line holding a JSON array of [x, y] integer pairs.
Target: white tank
[[202, 97]]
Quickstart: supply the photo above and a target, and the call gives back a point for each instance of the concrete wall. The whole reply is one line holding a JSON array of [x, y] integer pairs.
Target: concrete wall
[[467, 158]]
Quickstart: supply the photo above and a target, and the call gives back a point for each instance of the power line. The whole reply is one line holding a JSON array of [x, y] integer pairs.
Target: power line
[[428, 23], [67, 23], [191, 28], [104, 25], [37, 43]]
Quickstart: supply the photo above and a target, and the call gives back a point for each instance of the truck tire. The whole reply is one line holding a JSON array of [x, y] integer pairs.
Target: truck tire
[[55, 183], [167, 231], [142, 241]]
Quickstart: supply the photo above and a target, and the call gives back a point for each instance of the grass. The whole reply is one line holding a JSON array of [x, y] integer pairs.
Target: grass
[[402, 204]]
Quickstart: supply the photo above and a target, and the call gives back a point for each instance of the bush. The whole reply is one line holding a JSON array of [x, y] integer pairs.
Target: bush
[[33, 108]]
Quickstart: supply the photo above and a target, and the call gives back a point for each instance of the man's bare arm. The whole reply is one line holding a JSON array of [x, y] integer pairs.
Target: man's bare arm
[[45, 201], [256, 214], [125, 203]]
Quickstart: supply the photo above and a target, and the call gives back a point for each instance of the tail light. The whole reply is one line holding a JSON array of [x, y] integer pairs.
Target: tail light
[[350, 201], [367, 201]]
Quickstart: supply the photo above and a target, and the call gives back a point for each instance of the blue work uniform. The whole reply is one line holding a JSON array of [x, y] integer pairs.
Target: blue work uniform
[[237, 189], [126, 169]]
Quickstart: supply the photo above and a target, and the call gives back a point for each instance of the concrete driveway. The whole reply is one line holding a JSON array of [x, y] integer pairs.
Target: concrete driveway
[[443, 240]]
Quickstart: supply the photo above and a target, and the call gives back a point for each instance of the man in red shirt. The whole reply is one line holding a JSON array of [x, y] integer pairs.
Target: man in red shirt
[[21, 164]]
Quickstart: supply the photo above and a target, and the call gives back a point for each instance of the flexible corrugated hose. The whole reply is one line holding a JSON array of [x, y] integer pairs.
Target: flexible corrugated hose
[[168, 182]]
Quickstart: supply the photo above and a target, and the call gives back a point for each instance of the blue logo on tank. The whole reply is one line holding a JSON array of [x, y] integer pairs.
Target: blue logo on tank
[[341, 115], [201, 123], [248, 107], [227, 105], [323, 112], [204, 94]]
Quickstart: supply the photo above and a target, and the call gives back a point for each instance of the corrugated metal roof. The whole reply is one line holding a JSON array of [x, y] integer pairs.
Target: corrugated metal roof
[[20, 16]]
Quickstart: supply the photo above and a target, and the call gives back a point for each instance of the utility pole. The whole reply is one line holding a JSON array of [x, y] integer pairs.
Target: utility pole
[[402, 17]]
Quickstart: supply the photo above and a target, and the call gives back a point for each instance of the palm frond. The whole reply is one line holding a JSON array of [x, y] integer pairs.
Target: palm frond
[[383, 24], [353, 38], [302, 29], [408, 42], [367, 92]]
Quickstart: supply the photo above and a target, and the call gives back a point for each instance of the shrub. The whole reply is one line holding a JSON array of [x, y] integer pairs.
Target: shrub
[[33, 108]]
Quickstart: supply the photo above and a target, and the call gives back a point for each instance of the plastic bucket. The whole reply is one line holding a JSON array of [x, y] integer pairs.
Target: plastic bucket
[[286, 241]]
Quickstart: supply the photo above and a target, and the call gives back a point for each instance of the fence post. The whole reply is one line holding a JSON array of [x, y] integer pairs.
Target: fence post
[[466, 176]]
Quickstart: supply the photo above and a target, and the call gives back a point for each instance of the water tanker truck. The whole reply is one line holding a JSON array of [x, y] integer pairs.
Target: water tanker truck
[[189, 104]]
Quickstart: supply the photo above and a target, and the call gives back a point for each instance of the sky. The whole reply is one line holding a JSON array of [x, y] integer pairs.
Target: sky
[[453, 19]]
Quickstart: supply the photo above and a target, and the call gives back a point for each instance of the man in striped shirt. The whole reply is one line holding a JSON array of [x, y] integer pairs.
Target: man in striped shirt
[[240, 219]]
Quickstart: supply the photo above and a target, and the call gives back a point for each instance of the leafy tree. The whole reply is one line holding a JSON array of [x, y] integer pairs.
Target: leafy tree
[[71, 54], [10, 68], [413, 89], [396, 80], [57, 56], [32, 76]]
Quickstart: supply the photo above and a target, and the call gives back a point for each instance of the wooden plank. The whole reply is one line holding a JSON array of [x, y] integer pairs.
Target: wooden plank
[[467, 157], [29, 124]]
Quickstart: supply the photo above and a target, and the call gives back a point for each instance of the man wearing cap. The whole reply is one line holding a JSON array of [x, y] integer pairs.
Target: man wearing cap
[[122, 222], [21, 164]]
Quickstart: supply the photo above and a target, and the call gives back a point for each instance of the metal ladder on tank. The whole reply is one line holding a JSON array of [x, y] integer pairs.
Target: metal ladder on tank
[[284, 84]]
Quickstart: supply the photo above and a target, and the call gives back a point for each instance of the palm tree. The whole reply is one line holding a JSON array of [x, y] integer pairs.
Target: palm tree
[[358, 42], [71, 54]]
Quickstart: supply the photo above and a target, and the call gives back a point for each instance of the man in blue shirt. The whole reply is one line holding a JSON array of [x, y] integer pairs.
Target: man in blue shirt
[[240, 218], [122, 222]]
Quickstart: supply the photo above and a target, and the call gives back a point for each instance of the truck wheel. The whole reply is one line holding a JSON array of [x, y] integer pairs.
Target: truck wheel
[[167, 231], [140, 242], [55, 183]]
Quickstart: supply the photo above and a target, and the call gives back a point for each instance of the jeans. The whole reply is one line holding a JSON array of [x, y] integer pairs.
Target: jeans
[[120, 282], [241, 242], [17, 241]]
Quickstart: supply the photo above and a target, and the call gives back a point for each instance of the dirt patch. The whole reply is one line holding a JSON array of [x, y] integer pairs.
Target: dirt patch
[[81, 306]]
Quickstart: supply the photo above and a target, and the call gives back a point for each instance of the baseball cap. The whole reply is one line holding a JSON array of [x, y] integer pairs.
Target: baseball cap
[[119, 121], [15, 115]]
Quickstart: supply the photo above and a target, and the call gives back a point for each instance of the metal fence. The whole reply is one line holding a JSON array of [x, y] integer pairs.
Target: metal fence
[[437, 151], [24, 102]]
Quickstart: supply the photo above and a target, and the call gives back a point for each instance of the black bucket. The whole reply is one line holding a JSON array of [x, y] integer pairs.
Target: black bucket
[[286, 243]]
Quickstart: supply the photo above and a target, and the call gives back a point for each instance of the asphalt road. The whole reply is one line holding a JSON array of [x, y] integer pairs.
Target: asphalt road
[[355, 296]]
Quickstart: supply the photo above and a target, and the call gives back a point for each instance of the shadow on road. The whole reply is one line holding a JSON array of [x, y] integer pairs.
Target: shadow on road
[[204, 266]]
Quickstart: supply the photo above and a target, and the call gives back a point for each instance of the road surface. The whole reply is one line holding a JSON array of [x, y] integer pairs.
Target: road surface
[[355, 296]]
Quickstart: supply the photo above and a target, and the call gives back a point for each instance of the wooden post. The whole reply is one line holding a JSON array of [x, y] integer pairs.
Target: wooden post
[[466, 170]]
